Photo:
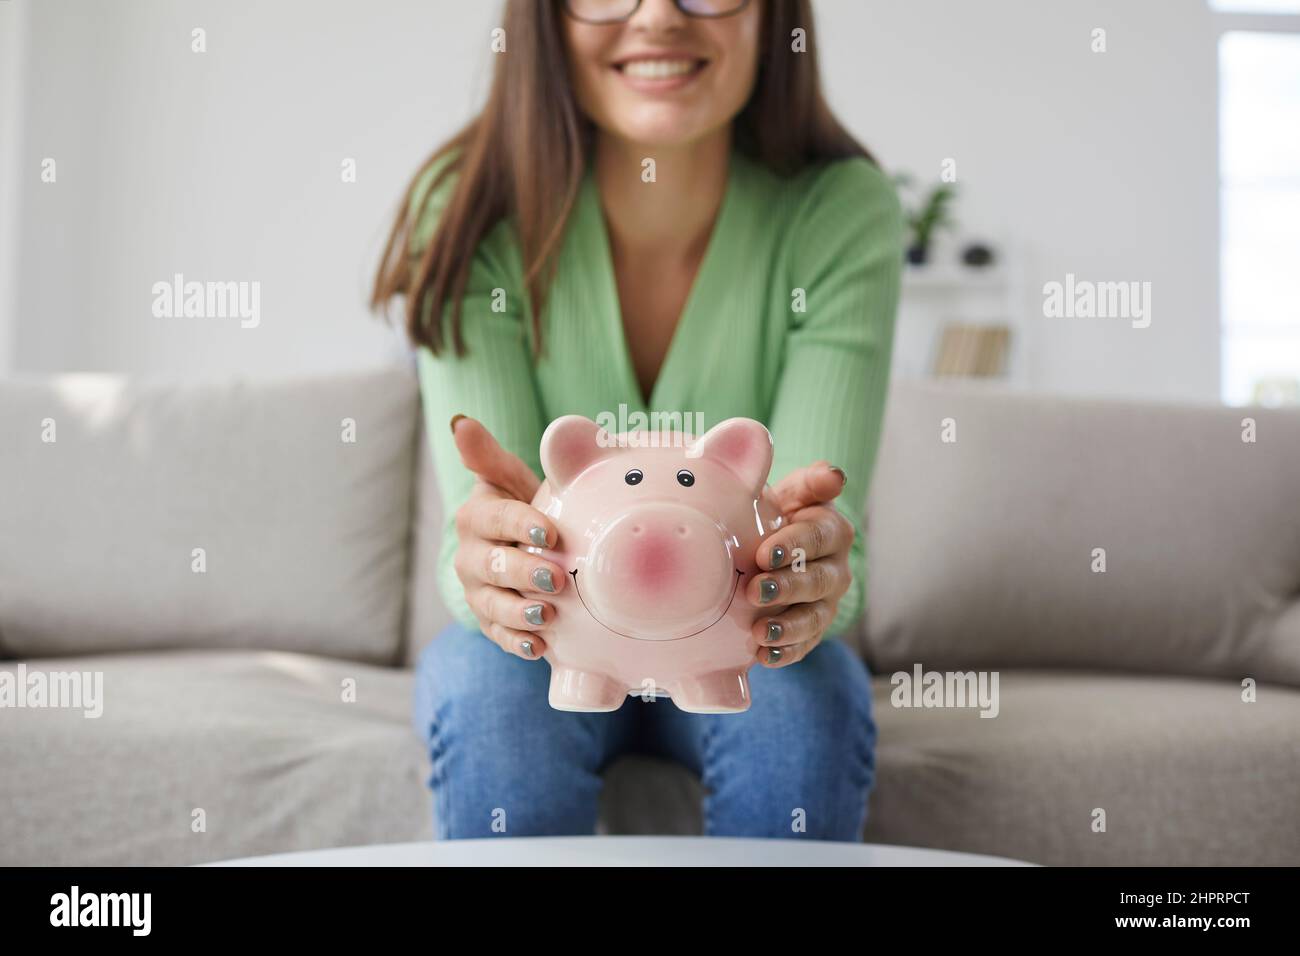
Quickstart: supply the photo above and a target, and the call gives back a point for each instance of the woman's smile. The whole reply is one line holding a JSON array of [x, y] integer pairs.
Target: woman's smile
[[663, 79], [660, 72]]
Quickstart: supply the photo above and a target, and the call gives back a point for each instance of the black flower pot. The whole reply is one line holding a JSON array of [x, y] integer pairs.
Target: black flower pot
[[977, 255]]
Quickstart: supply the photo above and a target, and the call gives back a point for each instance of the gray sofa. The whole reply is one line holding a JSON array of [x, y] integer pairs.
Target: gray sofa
[[248, 571]]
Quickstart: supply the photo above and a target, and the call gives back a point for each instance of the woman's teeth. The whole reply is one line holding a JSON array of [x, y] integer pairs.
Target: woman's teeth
[[658, 69]]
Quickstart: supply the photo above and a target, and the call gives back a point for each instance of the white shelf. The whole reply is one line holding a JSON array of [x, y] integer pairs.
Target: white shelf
[[943, 291], [955, 279]]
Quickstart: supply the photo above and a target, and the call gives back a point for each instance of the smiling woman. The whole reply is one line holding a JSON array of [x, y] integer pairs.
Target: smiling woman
[[654, 210]]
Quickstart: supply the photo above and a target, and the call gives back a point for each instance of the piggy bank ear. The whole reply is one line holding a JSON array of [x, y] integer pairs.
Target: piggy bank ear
[[571, 443], [742, 446]]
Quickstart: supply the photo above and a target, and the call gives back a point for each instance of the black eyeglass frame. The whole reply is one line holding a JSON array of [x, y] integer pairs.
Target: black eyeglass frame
[[568, 9]]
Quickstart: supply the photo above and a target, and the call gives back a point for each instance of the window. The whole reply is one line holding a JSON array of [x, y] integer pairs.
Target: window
[[1259, 183], [1256, 6]]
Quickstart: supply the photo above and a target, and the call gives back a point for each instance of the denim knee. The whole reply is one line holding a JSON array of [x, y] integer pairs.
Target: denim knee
[[801, 762], [461, 671], [503, 762]]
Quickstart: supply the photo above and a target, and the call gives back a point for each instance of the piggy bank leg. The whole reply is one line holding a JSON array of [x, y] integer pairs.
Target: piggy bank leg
[[721, 692], [574, 689]]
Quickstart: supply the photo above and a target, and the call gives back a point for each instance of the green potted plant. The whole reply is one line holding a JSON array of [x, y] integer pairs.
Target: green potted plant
[[924, 220]]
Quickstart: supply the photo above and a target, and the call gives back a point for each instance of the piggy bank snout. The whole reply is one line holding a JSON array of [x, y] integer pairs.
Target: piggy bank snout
[[659, 572]]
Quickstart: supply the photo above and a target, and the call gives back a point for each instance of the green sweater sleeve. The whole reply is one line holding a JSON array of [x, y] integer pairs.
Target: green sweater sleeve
[[493, 382], [847, 255]]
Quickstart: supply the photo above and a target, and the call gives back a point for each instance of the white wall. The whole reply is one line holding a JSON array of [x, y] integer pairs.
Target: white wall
[[1103, 165], [225, 166], [13, 48]]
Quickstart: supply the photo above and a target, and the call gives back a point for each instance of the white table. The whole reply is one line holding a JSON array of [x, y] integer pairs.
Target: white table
[[625, 851]]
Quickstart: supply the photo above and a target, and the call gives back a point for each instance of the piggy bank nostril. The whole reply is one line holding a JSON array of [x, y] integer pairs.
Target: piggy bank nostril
[[683, 531], [636, 529]]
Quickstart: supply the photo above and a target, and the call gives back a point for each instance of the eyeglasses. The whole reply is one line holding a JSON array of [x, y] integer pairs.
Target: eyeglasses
[[619, 11]]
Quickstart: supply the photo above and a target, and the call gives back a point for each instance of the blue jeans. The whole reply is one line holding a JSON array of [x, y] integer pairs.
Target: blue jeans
[[799, 763]]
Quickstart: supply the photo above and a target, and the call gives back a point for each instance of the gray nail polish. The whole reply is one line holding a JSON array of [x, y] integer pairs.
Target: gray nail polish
[[773, 655], [537, 536], [840, 471], [778, 555], [542, 580], [533, 614], [774, 631], [526, 647], [767, 590]]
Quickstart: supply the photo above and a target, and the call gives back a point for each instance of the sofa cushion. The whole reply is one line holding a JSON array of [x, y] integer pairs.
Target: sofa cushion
[[303, 534], [986, 551], [1185, 770], [263, 742]]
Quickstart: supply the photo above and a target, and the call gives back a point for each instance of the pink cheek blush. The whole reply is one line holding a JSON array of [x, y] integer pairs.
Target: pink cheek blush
[[655, 563]]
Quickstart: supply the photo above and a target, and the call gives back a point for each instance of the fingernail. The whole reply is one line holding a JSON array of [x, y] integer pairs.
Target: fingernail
[[454, 419], [844, 479], [537, 536], [778, 555], [542, 580], [526, 647], [774, 631], [773, 655], [767, 590], [533, 614]]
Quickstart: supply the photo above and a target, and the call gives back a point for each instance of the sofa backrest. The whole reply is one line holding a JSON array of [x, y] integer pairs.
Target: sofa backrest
[[426, 614], [137, 516], [1003, 529], [1007, 529]]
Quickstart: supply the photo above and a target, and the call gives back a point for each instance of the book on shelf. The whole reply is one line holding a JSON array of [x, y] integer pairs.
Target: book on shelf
[[972, 351]]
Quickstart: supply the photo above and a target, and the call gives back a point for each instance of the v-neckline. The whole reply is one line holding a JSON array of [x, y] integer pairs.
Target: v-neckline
[[614, 312]]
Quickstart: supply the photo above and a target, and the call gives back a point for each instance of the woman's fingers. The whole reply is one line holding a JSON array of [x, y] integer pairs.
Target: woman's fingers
[[523, 644], [795, 624], [495, 517], [510, 608], [516, 618], [492, 516], [814, 484], [504, 566], [821, 531], [787, 655], [827, 578], [483, 455]]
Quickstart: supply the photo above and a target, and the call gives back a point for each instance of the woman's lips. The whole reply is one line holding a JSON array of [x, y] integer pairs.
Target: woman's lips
[[660, 74]]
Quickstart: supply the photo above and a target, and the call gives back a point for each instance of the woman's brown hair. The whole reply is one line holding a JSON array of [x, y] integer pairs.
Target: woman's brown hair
[[523, 158]]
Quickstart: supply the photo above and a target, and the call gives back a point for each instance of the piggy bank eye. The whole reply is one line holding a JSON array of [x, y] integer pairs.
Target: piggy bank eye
[[633, 477], [685, 478]]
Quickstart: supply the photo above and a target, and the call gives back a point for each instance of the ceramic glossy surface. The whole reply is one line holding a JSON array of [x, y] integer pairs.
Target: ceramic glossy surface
[[657, 534]]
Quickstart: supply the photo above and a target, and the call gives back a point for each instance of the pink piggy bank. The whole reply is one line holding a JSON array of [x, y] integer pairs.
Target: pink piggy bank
[[657, 532]]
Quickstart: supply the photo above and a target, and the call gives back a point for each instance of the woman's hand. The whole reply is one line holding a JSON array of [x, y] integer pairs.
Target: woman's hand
[[496, 516], [802, 603]]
